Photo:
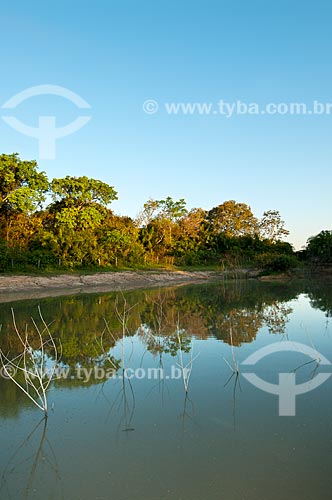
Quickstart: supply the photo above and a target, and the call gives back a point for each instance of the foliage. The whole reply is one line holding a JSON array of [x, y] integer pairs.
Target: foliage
[[232, 219], [319, 247], [277, 263], [79, 191], [22, 187], [22, 190], [77, 229]]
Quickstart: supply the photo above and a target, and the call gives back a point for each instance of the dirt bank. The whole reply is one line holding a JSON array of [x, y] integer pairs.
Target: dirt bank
[[24, 287]]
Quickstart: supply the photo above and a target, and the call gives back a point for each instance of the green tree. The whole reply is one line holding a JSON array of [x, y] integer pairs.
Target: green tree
[[319, 247], [159, 221], [118, 241], [80, 191], [79, 208], [172, 210], [22, 191], [167, 209]]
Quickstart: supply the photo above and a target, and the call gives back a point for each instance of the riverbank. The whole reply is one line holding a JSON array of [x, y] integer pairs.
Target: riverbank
[[16, 287]]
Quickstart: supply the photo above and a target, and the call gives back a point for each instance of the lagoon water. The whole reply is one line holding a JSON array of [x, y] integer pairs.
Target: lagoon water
[[143, 436]]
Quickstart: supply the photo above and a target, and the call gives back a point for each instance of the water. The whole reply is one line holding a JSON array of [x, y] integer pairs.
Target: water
[[145, 437]]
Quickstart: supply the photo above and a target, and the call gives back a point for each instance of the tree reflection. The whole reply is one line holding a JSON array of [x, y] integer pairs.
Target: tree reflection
[[88, 327], [276, 317], [320, 296], [33, 458]]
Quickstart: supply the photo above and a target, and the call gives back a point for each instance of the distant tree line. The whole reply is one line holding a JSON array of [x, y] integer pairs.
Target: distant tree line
[[319, 249], [77, 229]]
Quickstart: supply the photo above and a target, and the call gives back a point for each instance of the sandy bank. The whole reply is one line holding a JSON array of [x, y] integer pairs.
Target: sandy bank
[[24, 287]]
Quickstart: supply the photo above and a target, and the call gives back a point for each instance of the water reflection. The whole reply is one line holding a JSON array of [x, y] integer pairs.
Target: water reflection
[[234, 381], [319, 293], [202, 311], [35, 460], [121, 404], [90, 327], [123, 433]]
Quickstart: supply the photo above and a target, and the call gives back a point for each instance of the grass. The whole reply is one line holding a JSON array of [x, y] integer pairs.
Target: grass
[[112, 269]]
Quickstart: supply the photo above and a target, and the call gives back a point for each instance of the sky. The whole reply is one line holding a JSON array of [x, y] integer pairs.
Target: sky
[[118, 54]]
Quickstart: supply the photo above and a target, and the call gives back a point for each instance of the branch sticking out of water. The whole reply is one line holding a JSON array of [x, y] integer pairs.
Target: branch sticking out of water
[[30, 363], [185, 369], [235, 363]]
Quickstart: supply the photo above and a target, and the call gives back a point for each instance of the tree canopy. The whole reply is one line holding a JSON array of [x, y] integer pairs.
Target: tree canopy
[[319, 247], [233, 219], [22, 187], [79, 191], [77, 228]]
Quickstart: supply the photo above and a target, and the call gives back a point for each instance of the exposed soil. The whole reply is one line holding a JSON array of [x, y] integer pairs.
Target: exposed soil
[[25, 287]]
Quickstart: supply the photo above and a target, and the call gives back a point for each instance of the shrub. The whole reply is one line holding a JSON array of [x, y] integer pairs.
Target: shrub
[[277, 263]]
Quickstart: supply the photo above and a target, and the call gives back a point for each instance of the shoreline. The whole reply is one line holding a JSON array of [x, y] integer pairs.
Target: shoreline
[[20, 287]]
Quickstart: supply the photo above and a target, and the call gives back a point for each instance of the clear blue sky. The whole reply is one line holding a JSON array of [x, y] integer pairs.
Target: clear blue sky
[[117, 53]]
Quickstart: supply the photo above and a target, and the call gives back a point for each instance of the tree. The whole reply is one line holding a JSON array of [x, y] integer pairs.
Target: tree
[[22, 190], [232, 219], [172, 210], [78, 227], [78, 210], [80, 191], [192, 236], [118, 241], [148, 213], [167, 209], [271, 227], [319, 247], [79, 201], [159, 220]]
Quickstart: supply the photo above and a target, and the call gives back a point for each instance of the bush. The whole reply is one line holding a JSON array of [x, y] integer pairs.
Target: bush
[[277, 263]]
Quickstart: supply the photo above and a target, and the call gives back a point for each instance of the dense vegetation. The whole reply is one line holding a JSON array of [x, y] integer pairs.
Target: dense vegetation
[[67, 224], [319, 248]]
